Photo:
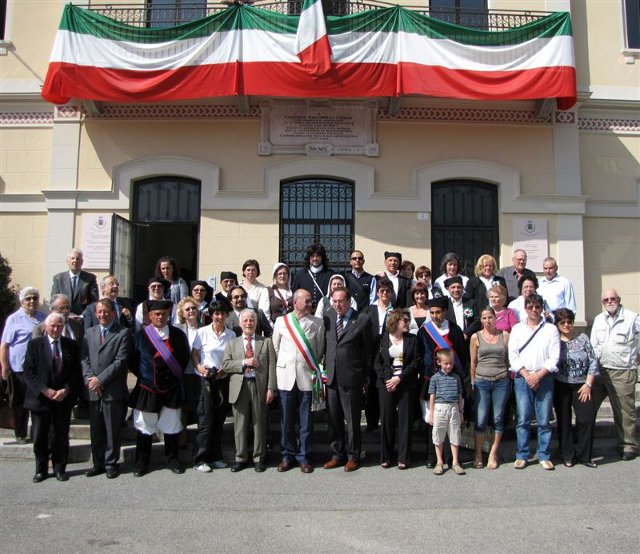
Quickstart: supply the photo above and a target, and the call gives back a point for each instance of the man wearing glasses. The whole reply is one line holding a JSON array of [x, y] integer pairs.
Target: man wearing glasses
[[361, 284], [16, 334], [614, 337], [513, 273], [238, 298], [534, 350]]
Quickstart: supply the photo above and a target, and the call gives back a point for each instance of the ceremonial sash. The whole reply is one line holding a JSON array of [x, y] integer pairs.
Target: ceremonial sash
[[442, 343], [165, 353], [306, 351]]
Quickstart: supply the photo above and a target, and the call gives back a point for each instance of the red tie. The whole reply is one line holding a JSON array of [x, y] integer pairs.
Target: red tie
[[248, 352]]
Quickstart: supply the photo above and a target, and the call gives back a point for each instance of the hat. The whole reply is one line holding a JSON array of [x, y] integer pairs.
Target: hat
[[159, 305], [228, 275], [160, 280], [440, 302], [452, 280], [393, 255], [217, 305], [204, 284]]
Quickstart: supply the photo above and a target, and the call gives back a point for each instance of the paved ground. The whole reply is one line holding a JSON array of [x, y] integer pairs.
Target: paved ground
[[371, 510]]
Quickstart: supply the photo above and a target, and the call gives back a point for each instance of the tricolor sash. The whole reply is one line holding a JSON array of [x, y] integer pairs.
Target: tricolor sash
[[442, 343], [306, 351], [165, 353]]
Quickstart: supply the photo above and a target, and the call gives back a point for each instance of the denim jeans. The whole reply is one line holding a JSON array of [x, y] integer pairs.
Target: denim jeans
[[487, 394], [529, 401], [295, 405]]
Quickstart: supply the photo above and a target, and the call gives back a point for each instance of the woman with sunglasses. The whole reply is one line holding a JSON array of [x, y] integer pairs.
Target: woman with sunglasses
[[577, 370]]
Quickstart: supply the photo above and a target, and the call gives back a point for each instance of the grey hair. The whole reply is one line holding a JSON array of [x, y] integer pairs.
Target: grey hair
[[57, 297], [28, 290], [250, 312], [75, 250], [53, 316]]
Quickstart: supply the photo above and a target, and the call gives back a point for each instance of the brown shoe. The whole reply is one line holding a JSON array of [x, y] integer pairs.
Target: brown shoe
[[306, 468], [351, 465], [285, 465], [332, 463]]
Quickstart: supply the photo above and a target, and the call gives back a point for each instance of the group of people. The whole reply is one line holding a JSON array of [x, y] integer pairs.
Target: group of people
[[392, 344]]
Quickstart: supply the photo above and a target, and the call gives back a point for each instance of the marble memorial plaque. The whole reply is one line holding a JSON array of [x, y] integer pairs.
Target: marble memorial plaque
[[318, 128]]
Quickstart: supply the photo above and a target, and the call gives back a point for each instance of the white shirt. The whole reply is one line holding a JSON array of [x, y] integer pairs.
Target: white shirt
[[557, 293], [258, 295], [211, 345], [458, 311], [542, 352]]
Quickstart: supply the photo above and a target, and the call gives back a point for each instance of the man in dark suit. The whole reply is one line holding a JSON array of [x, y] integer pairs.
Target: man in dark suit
[[105, 362], [401, 297], [73, 329], [513, 273], [250, 360], [347, 360], [110, 288], [238, 296], [459, 311], [52, 375], [80, 286]]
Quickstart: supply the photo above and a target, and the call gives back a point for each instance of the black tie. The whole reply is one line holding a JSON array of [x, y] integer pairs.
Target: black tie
[[340, 327], [57, 360]]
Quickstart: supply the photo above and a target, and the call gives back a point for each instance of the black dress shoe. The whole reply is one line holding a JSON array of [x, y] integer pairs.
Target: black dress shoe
[[112, 472], [39, 477], [430, 464], [259, 467], [285, 465], [139, 471], [61, 476], [176, 467], [238, 466], [592, 465], [94, 471], [628, 456]]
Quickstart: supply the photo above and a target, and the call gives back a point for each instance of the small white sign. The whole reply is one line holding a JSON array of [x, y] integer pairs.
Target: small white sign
[[96, 241], [531, 236]]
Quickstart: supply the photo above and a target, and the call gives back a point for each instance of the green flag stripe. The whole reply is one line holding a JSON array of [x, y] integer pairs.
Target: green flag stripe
[[394, 19]]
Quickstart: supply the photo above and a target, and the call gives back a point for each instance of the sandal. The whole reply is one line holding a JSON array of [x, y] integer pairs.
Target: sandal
[[438, 470], [402, 466], [492, 463], [478, 464]]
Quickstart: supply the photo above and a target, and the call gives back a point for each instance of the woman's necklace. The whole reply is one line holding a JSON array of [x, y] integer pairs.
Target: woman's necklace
[[489, 337]]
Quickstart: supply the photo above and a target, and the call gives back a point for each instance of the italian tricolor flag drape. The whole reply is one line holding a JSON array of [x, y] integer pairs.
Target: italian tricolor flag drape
[[248, 51]]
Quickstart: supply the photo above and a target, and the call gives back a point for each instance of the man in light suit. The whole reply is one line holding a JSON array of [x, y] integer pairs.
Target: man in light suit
[[105, 362], [347, 360], [110, 288], [80, 286], [298, 339], [53, 376], [251, 362]]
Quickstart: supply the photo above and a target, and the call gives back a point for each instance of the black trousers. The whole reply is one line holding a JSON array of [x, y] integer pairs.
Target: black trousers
[[18, 389], [343, 407], [57, 421], [212, 412], [400, 402], [574, 444], [106, 420]]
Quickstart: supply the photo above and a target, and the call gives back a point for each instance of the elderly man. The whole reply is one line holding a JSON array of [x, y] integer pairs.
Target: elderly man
[[18, 330], [348, 357], [161, 353], [438, 333], [105, 364], [361, 285], [513, 273], [73, 329], [110, 288], [81, 286], [298, 339], [401, 297], [556, 290], [614, 337], [250, 360], [53, 376], [534, 350]]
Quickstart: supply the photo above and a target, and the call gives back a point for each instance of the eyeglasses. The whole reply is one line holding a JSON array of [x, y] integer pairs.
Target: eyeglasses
[[189, 309], [567, 322], [156, 286], [356, 258], [66, 308], [608, 300], [384, 291], [238, 296], [534, 307], [31, 298]]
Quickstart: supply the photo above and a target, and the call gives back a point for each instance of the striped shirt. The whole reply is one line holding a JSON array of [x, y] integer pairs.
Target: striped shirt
[[447, 388]]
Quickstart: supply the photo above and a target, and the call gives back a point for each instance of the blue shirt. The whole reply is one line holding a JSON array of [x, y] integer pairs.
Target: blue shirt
[[17, 333], [447, 388]]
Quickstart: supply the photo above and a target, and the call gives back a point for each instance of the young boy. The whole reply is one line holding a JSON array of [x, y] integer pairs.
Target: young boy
[[445, 409]]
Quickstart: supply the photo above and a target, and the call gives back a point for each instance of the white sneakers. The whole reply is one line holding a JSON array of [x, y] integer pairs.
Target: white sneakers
[[203, 468]]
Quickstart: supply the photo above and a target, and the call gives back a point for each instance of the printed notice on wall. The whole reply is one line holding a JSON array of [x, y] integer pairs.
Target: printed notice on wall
[[530, 235], [96, 240]]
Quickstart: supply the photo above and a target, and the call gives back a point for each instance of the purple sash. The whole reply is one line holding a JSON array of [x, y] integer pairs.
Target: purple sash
[[442, 343], [164, 352]]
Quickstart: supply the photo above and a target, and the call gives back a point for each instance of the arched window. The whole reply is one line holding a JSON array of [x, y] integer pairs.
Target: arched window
[[465, 221], [316, 210]]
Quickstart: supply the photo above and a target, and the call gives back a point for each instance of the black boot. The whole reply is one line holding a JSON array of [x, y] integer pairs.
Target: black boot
[[143, 454], [171, 449]]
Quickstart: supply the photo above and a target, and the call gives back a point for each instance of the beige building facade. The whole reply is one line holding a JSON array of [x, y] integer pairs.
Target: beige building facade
[[577, 171]]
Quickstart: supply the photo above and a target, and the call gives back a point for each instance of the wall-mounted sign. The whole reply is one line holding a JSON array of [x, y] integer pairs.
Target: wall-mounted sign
[[96, 240], [318, 128], [530, 235]]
